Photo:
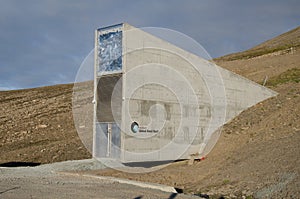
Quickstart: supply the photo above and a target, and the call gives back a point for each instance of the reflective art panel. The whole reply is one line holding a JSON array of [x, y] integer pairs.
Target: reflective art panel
[[110, 52]]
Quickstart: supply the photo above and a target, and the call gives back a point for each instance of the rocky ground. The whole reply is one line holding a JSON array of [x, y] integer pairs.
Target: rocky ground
[[257, 155], [36, 125]]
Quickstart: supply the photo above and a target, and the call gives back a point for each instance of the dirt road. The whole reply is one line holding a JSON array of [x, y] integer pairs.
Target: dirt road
[[47, 181]]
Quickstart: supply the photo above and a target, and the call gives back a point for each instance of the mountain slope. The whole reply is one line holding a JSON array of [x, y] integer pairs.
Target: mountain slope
[[283, 43], [36, 125], [258, 64]]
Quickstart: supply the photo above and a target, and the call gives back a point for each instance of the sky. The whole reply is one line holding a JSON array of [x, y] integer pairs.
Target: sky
[[44, 42]]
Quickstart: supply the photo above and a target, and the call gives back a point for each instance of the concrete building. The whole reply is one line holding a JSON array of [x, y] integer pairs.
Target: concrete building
[[155, 101]]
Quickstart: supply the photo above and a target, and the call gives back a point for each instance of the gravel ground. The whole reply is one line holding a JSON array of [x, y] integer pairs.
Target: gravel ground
[[46, 182]]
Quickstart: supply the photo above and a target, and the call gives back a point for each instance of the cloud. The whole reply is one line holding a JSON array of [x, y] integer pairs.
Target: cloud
[[44, 42]]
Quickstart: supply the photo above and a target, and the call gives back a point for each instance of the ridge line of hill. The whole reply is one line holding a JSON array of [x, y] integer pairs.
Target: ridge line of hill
[[288, 41]]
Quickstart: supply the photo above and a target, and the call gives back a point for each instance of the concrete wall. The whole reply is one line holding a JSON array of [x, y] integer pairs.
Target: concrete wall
[[178, 99]]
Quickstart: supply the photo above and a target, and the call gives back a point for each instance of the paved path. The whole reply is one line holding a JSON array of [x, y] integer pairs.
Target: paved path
[[45, 182]]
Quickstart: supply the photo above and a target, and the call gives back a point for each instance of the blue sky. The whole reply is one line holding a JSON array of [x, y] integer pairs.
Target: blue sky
[[43, 42]]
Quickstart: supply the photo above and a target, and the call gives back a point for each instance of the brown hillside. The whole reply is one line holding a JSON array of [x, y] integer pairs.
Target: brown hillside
[[257, 155], [282, 44], [36, 125]]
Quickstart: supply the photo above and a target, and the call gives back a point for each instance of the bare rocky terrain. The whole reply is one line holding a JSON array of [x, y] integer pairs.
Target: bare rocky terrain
[[36, 125], [257, 155]]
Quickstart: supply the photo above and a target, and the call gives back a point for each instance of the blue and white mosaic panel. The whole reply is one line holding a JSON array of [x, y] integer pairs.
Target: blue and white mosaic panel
[[110, 52]]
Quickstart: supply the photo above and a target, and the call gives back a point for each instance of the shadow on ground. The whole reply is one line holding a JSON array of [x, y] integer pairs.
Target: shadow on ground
[[20, 164]]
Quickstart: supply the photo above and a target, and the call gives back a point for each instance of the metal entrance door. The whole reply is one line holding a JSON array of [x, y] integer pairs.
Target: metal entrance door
[[109, 140]]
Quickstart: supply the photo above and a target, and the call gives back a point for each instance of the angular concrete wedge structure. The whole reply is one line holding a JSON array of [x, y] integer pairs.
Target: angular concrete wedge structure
[[155, 101]]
